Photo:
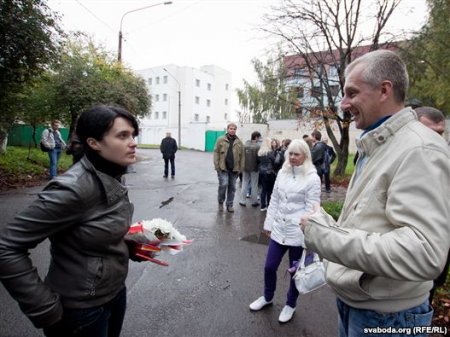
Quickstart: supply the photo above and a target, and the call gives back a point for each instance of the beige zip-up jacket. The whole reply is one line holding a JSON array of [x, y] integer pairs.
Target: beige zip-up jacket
[[392, 237]]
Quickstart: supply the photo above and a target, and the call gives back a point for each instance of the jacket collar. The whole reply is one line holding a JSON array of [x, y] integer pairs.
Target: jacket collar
[[380, 135], [112, 188]]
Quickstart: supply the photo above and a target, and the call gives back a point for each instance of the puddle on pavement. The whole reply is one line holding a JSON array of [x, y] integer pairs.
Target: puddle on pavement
[[260, 238]]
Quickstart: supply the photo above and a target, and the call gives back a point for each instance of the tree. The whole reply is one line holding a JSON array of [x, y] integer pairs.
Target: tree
[[327, 32], [270, 97], [28, 43], [88, 75], [428, 58]]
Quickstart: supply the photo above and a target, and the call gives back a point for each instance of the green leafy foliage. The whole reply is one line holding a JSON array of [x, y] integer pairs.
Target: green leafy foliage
[[88, 75], [28, 44], [428, 59], [333, 207], [270, 97], [21, 166]]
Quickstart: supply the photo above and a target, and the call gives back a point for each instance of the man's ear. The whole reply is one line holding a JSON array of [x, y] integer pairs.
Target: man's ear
[[386, 90], [93, 143]]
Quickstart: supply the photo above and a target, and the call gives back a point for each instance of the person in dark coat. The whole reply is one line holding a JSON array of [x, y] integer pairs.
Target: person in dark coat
[[168, 149]]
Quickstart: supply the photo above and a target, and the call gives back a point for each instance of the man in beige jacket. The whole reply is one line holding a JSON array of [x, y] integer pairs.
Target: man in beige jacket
[[391, 239]]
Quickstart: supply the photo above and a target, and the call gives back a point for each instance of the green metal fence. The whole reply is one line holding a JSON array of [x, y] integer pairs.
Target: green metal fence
[[211, 138], [21, 135]]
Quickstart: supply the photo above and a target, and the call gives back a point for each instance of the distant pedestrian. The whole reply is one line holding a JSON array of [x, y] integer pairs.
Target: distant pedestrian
[[279, 158], [168, 149], [75, 148], [329, 159], [267, 172], [51, 138], [229, 160], [297, 190], [308, 141], [435, 120], [250, 172], [321, 158], [85, 214]]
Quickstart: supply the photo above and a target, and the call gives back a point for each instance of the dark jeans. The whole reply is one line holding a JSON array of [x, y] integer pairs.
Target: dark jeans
[[267, 182], [172, 166], [102, 321], [227, 187], [273, 260], [324, 175]]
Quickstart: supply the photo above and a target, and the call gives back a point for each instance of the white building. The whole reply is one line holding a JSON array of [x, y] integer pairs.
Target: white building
[[205, 103]]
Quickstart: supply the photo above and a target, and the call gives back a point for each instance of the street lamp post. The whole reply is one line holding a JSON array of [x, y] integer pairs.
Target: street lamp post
[[119, 53], [179, 106]]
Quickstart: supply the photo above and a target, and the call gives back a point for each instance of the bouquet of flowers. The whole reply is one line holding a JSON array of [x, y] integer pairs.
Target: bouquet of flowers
[[147, 238]]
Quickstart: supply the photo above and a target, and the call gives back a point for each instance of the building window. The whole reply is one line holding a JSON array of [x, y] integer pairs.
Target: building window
[[149, 115], [197, 100], [226, 101], [196, 117], [149, 81], [225, 116], [197, 83], [157, 80], [300, 92], [208, 119], [165, 79], [208, 102], [316, 91], [156, 98], [334, 90], [299, 72], [156, 115], [226, 86], [333, 71], [209, 86], [164, 97], [164, 115]]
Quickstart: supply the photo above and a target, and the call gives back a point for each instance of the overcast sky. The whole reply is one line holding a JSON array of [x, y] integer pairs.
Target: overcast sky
[[190, 32]]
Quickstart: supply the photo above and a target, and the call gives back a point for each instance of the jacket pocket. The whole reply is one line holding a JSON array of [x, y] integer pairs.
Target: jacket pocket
[[94, 274], [346, 282], [385, 288]]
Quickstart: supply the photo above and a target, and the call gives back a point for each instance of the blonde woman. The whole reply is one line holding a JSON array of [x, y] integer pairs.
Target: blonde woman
[[296, 192]]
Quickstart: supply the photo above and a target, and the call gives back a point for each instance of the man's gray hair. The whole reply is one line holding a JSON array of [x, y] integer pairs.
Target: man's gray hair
[[383, 65]]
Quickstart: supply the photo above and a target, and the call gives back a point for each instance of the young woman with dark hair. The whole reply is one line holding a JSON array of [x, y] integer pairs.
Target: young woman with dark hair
[[85, 213]]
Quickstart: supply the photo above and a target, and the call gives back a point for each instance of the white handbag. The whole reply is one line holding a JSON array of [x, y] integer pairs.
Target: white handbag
[[310, 277]]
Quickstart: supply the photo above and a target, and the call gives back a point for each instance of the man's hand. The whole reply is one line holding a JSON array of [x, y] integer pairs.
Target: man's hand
[[304, 219], [267, 232]]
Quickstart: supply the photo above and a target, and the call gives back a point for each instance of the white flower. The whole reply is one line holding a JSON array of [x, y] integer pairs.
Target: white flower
[[162, 229]]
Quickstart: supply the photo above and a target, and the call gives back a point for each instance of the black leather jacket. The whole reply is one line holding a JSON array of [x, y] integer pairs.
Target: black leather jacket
[[85, 213]]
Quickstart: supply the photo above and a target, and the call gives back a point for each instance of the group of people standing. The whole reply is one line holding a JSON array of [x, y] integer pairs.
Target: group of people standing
[[257, 162], [381, 255]]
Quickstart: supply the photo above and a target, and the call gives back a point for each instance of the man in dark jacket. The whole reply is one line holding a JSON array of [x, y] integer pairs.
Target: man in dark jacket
[[321, 158], [168, 149], [435, 120], [250, 171]]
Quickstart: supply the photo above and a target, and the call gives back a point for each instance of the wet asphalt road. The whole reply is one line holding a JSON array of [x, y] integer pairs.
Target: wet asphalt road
[[206, 289]]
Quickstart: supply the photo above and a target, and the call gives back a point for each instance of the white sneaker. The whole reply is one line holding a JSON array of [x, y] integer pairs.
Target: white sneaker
[[286, 314], [259, 304]]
